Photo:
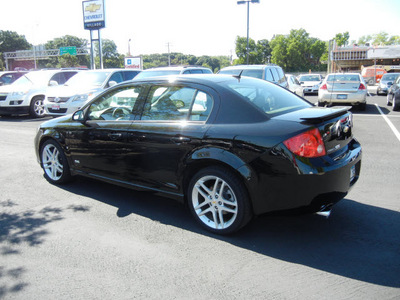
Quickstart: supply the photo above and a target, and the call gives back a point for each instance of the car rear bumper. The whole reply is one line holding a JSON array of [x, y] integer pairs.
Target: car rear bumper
[[342, 98], [299, 184]]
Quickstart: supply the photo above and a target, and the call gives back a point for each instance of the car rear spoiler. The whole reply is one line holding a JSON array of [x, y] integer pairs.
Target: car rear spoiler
[[317, 114]]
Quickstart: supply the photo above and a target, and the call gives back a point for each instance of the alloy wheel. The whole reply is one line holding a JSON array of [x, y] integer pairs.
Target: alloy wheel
[[214, 202], [52, 162]]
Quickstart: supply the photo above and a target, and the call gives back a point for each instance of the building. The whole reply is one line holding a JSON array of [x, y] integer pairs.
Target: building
[[354, 58]]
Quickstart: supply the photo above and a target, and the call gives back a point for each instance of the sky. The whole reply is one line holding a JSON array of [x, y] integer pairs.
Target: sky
[[199, 27]]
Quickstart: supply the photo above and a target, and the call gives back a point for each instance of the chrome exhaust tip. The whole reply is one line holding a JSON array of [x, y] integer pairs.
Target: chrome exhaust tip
[[325, 211]]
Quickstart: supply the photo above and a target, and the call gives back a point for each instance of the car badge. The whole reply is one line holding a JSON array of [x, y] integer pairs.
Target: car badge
[[57, 99]]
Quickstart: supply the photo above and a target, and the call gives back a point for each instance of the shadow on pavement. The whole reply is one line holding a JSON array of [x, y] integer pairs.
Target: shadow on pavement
[[358, 241]]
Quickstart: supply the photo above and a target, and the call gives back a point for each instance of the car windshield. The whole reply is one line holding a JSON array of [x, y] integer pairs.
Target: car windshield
[[256, 73], [146, 74], [34, 78], [271, 99], [389, 77], [309, 78], [88, 79]]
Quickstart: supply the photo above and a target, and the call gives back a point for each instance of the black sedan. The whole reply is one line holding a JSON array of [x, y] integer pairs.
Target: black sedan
[[229, 147]]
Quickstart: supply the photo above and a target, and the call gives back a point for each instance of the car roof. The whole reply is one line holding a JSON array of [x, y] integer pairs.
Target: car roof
[[312, 74], [238, 67], [174, 68]]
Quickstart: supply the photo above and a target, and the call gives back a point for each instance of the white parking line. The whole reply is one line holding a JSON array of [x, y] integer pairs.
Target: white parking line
[[395, 131]]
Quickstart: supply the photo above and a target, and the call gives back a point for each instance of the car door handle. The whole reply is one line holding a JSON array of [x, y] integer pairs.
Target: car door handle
[[114, 136], [180, 139]]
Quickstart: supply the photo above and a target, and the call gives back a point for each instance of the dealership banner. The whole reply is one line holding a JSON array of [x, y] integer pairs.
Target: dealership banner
[[133, 62]]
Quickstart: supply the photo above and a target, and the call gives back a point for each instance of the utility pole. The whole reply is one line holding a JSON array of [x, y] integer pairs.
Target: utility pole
[[169, 55]]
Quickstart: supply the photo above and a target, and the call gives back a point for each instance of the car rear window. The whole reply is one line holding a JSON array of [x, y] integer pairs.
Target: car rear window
[[271, 99], [343, 77]]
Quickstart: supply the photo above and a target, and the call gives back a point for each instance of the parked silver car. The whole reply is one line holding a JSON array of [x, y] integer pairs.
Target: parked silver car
[[294, 85], [343, 88], [386, 82], [310, 82], [68, 98]]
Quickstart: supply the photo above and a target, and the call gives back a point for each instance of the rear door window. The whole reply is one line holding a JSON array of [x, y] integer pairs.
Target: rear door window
[[174, 103], [276, 75], [268, 75]]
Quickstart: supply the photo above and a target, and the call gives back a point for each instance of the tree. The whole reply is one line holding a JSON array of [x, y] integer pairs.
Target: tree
[[342, 39], [241, 53], [263, 52], [111, 58], [67, 41], [10, 41], [297, 51]]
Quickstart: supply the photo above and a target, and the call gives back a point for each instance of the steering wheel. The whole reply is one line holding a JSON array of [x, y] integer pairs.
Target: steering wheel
[[120, 112]]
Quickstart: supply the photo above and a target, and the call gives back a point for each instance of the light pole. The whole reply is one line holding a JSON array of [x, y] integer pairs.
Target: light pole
[[248, 10]]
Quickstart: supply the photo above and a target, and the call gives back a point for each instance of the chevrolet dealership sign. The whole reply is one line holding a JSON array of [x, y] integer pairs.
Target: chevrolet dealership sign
[[93, 14]]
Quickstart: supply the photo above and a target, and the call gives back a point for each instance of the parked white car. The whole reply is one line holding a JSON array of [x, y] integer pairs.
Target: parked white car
[[26, 94], [294, 85], [343, 88], [66, 99], [310, 82]]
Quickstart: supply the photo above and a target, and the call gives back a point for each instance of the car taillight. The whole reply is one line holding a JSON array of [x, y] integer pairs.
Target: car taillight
[[362, 86], [323, 87], [307, 144]]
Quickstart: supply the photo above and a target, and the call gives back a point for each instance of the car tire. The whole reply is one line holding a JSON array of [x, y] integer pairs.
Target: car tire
[[37, 107], [54, 163], [219, 201], [389, 99], [395, 104]]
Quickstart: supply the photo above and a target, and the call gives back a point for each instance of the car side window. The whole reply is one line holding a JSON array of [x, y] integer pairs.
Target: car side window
[[168, 103], [281, 75], [202, 106], [68, 75], [171, 103], [117, 77], [58, 77], [129, 75], [275, 73], [117, 105], [268, 75]]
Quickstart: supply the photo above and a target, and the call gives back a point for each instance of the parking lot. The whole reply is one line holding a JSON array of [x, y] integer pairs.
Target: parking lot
[[91, 240]]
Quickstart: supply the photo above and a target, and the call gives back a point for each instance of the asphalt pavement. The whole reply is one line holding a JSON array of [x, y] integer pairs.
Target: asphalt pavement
[[91, 240]]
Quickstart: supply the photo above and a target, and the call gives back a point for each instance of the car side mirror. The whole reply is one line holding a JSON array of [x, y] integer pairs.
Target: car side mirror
[[112, 83], [79, 116], [53, 83], [390, 83]]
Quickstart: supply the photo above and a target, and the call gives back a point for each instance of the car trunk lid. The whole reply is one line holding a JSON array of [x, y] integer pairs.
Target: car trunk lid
[[334, 124]]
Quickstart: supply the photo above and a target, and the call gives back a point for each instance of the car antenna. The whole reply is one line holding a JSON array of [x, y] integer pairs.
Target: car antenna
[[238, 76]]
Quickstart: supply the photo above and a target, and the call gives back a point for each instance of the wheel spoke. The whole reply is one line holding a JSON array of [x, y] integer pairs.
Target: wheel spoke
[[202, 189], [221, 219], [202, 213], [201, 205], [229, 210]]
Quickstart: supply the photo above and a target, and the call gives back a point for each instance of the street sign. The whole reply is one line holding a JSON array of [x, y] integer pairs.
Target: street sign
[[68, 50]]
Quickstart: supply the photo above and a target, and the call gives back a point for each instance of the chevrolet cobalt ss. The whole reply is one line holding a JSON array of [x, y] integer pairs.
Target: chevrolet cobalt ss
[[230, 147]]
